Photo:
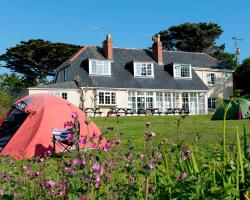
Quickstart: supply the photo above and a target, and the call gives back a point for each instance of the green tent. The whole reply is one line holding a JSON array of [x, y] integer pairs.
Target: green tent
[[238, 109]]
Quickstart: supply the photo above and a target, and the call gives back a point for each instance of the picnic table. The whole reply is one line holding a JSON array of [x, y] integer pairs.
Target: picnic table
[[120, 111], [93, 111], [177, 111]]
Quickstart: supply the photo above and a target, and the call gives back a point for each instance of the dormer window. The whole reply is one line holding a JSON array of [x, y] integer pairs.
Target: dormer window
[[182, 71], [100, 67], [143, 69]]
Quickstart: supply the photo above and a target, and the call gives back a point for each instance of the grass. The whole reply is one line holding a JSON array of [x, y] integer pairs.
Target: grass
[[209, 132]]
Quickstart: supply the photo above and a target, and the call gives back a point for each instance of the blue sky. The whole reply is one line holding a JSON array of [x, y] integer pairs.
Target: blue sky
[[130, 22]]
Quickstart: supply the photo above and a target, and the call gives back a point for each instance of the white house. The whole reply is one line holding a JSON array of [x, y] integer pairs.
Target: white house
[[106, 77]]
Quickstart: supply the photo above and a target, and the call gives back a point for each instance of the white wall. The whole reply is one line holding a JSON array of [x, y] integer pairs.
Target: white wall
[[222, 88], [73, 95]]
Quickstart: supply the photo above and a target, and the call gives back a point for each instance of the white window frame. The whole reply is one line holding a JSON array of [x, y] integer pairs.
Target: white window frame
[[100, 63], [211, 101], [105, 95], [140, 64], [65, 74], [60, 94], [178, 75], [209, 79]]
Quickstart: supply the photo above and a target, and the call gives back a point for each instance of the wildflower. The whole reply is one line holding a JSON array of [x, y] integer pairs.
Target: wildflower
[[51, 183], [248, 150], [142, 156], [94, 134], [97, 181], [83, 197], [151, 165], [74, 115], [84, 162], [37, 173], [150, 134], [25, 167], [112, 143], [182, 176], [94, 145], [106, 148], [83, 140], [75, 162], [183, 157], [1, 192], [96, 167]]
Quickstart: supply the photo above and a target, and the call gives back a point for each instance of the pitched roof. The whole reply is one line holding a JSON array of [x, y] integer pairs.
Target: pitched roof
[[122, 78], [61, 85]]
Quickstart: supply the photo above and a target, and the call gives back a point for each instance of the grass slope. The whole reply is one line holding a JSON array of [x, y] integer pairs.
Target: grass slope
[[165, 127]]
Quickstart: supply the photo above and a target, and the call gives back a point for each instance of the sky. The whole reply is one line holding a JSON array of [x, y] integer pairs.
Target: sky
[[131, 23]]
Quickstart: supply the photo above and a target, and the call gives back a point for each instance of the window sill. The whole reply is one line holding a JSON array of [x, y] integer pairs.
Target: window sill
[[107, 105]]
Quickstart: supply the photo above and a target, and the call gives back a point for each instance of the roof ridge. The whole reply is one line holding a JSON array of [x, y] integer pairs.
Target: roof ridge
[[73, 57]]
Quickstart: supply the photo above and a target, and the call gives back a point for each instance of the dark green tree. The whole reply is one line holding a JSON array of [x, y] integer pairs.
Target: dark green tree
[[241, 77], [196, 37], [37, 59], [12, 84]]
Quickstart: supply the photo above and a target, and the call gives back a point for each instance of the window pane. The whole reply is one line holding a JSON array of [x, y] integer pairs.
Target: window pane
[[101, 98]]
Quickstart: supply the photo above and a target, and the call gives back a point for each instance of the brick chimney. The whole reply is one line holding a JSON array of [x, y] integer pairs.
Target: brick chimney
[[157, 49], [107, 47]]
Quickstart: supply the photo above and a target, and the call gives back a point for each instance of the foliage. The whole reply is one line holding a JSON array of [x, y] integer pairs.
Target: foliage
[[5, 101], [197, 37], [171, 170], [36, 59], [12, 84], [241, 77]]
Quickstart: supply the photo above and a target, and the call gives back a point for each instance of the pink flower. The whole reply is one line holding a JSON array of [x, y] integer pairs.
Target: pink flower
[[183, 157], [51, 183], [1, 192], [151, 165], [84, 162], [94, 134], [97, 181], [182, 176], [94, 145], [150, 134], [112, 143], [25, 167], [106, 148], [96, 167], [83, 140], [83, 197], [74, 115], [37, 173], [76, 162]]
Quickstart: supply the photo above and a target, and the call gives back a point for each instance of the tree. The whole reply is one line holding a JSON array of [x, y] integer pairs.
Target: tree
[[241, 77], [12, 84], [37, 59], [196, 37]]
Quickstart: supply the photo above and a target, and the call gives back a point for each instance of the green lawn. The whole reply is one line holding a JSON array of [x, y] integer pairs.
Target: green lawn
[[165, 127]]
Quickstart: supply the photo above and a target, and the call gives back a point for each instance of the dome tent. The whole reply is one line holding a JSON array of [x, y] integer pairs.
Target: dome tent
[[238, 109], [26, 130]]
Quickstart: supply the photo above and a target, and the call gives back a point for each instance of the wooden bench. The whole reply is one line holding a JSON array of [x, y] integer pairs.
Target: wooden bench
[[154, 111], [93, 111]]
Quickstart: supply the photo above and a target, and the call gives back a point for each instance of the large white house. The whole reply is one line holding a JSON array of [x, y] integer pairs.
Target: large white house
[[106, 77]]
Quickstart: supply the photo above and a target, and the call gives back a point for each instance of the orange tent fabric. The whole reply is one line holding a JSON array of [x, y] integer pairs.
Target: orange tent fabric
[[34, 136]]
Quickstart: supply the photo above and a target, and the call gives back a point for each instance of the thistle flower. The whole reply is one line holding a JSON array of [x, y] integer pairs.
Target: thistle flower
[[97, 181], [83, 197], [182, 176]]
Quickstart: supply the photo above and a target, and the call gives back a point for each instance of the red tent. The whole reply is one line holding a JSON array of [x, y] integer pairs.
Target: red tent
[[26, 130]]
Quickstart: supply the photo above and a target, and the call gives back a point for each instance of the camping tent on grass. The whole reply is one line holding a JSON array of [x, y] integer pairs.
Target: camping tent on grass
[[238, 109], [26, 130]]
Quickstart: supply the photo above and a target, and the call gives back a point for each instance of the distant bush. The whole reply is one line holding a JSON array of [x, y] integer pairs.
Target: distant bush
[[5, 100]]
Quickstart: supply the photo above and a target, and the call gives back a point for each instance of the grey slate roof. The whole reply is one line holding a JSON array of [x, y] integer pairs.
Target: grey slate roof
[[61, 85], [122, 78]]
